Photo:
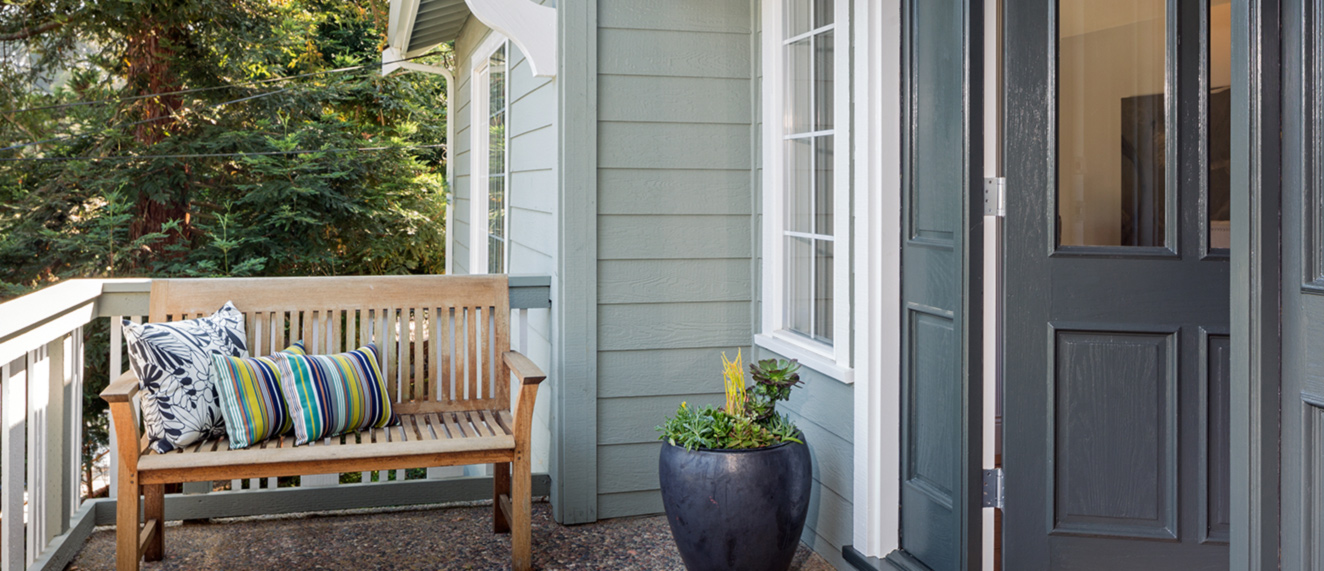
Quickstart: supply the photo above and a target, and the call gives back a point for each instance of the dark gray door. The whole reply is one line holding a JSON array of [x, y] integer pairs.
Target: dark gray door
[[1116, 418], [1302, 417], [941, 288]]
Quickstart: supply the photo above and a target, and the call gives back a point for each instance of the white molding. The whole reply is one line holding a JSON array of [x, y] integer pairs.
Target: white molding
[[531, 26], [773, 212], [992, 270], [450, 169], [877, 128], [479, 112], [806, 353]]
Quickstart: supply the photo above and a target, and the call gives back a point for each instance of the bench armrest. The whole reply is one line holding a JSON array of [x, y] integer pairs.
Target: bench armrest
[[527, 372], [530, 376], [121, 389], [120, 396]]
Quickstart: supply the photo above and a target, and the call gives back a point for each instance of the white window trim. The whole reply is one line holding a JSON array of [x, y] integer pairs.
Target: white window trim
[[834, 360], [876, 513], [478, 147]]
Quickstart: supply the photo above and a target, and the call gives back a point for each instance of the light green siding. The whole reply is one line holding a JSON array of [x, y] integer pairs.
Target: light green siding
[[531, 195], [674, 224]]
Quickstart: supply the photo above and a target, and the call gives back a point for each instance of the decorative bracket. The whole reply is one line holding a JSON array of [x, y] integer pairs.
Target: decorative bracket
[[531, 26]]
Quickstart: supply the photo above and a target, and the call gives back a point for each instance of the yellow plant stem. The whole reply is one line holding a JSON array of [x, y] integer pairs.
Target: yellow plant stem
[[733, 373]]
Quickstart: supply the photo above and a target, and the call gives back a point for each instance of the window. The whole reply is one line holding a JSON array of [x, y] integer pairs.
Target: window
[[489, 208], [806, 246]]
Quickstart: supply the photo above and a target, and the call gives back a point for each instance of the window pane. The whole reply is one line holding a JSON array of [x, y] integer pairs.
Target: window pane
[[496, 144], [799, 185], [823, 290], [1220, 124], [823, 91], [496, 206], [799, 82], [497, 86], [496, 255], [799, 281], [1111, 159], [823, 194], [823, 12], [796, 17]]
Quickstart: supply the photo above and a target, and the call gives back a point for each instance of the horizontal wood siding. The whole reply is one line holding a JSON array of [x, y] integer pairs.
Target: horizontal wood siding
[[531, 195], [674, 286], [823, 408], [532, 190]]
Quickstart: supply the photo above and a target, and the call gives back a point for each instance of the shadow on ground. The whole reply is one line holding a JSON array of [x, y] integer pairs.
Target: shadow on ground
[[432, 539]]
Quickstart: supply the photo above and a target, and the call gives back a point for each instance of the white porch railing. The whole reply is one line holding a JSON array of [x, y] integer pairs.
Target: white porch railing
[[44, 517]]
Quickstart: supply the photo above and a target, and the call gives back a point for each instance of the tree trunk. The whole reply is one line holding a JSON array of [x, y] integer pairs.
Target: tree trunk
[[150, 53]]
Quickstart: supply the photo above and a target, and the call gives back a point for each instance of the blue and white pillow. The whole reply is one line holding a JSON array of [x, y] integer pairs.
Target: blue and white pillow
[[180, 405]]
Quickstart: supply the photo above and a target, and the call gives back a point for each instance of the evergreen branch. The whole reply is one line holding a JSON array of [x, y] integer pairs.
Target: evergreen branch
[[29, 32]]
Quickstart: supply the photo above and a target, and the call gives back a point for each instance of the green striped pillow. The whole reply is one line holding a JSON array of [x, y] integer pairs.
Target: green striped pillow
[[334, 394], [251, 401]]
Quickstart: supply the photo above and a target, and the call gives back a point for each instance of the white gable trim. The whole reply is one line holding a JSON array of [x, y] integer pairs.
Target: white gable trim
[[531, 26]]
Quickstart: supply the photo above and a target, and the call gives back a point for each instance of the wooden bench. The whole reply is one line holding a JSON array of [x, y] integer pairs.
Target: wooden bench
[[457, 413]]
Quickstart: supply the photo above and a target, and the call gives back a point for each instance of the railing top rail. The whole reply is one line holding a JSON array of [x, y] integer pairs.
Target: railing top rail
[[72, 303], [31, 310]]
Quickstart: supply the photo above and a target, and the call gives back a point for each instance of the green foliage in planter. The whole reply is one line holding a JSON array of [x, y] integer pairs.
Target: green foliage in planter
[[753, 423]]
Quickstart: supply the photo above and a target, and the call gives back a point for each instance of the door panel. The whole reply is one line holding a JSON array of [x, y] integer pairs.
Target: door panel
[[941, 291], [1116, 308], [1302, 288]]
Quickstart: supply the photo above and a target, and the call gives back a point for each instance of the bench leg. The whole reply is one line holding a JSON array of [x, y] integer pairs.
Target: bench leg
[[521, 498], [500, 487], [154, 510], [126, 521]]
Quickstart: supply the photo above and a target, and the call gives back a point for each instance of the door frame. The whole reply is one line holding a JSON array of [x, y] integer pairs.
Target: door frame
[[1256, 284]]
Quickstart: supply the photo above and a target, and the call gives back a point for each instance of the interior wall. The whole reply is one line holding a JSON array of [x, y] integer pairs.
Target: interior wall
[[1105, 56]]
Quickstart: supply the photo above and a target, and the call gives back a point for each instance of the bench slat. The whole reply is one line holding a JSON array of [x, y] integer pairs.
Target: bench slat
[[218, 454]]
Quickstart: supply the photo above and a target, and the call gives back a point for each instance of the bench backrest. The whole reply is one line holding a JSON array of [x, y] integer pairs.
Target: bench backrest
[[440, 337]]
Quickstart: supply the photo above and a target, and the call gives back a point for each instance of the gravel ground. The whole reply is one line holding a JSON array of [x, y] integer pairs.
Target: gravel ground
[[414, 538]]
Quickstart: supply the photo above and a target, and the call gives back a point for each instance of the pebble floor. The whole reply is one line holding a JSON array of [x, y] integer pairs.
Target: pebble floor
[[413, 538]]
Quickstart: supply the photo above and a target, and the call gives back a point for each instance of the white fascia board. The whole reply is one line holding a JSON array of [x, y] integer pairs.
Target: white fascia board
[[531, 26], [401, 20]]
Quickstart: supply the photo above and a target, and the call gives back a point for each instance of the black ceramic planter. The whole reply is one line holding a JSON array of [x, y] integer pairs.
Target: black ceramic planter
[[736, 510]]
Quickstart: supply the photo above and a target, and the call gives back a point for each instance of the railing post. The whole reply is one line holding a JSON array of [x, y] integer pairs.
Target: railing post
[[38, 400], [116, 369], [14, 440], [55, 501], [74, 438]]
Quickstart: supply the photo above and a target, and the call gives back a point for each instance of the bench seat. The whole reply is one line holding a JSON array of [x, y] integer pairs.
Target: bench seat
[[437, 434], [445, 359]]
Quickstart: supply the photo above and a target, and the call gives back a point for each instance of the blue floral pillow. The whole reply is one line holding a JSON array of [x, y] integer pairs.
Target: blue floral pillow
[[180, 405]]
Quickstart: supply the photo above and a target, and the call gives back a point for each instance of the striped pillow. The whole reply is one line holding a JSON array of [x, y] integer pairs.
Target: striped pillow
[[251, 399], [334, 394]]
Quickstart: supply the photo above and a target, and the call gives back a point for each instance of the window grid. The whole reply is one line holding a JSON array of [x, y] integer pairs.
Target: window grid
[[497, 164], [817, 324]]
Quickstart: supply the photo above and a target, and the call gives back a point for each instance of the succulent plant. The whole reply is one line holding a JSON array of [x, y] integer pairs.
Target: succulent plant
[[749, 419], [773, 381]]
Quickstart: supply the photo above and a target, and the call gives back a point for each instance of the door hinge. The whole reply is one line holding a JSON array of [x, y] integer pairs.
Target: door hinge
[[995, 196], [993, 488]]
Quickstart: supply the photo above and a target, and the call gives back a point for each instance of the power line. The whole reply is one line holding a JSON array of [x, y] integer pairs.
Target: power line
[[217, 155], [201, 89], [172, 115]]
